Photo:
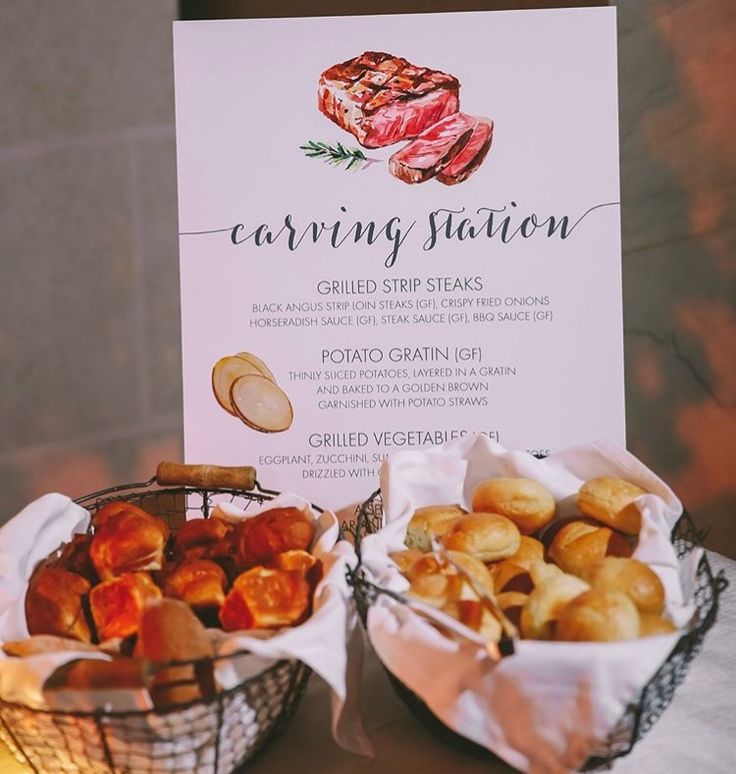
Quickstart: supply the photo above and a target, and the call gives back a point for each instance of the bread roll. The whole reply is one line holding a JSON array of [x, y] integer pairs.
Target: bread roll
[[598, 616], [75, 558], [265, 598], [127, 539], [530, 551], [300, 561], [508, 576], [512, 603], [436, 583], [54, 604], [611, 501], [405, 559], [528, 504], [650, 625], [580, 544], [633, 578], [486, 536], [475, 616], [260, 538], [432, 521], [198, 582], [117, 604], [201, 532], [169, 631], [546, 603]]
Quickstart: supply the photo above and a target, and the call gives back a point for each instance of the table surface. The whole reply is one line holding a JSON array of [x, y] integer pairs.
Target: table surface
[[697, 733]]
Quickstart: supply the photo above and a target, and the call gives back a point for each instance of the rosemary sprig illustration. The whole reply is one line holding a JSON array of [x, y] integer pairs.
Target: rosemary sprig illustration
[[337, 154]]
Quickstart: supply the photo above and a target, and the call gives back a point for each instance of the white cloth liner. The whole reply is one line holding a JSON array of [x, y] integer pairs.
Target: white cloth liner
[[545, 708], [322, 642]]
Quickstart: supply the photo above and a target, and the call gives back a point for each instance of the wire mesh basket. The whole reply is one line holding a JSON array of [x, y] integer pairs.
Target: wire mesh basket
[[214, 735], [641, 714]]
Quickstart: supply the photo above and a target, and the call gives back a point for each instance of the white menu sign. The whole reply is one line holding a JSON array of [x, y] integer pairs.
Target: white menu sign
[[396, 230]]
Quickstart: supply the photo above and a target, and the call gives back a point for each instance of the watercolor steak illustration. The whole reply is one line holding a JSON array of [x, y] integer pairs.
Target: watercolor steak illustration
[[383, 99]]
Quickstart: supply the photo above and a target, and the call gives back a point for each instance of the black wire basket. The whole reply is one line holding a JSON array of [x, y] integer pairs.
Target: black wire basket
[[215, 735], [640, 715]]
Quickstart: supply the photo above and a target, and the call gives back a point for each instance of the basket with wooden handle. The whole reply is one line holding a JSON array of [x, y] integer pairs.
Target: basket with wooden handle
[[208, 735]]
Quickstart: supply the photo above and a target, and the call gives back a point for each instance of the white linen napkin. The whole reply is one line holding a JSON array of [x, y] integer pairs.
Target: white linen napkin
[[547, 707]]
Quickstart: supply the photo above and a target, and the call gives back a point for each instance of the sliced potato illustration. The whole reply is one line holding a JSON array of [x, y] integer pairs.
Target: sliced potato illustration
[[224, 373], [261, 404], [258, 363]]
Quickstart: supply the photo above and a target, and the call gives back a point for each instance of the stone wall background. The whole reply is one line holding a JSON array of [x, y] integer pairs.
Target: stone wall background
[[90, 388]]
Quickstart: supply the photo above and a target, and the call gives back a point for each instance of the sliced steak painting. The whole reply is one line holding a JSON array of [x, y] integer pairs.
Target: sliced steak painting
[[433, 150], [471, 156], [382, 99]]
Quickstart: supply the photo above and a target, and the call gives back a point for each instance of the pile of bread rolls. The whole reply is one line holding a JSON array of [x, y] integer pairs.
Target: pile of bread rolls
[[569, 579], [133, 589]]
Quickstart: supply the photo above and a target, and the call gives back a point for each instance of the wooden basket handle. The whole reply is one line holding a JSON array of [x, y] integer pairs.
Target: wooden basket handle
[[206, 476]]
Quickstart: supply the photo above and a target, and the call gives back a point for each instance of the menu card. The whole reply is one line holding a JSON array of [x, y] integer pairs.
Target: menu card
[[396, 231]]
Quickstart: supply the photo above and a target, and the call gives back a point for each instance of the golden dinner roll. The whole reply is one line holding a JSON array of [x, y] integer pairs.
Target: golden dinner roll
[[117, 604], [634, 578], [486, 536], [405, 559], [54, 604], [430, 522], [436, 582], [476, 617], [527, 503], [475, 569], [651, 624], [530, 551], [512, 603], [541, 572], [546, 603], [611, 501], [508, 576], [582, 543], [598, 616]]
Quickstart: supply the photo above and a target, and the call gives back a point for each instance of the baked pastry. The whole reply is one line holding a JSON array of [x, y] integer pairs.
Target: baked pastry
[[117, 604], [611, 501], [127, 539], [637, 580], [200, 583], [405, 559], [527, 503], [512, 603], [530, 551], [436, 582], [54, 604], [123, 506], [651, 624], [169, 631], [201, 532], [486, 536], [598, 616], [476, 617], [580, 544], [508, 576], [431, 522], [265, 598], [74, 557], [260, 538], [299, 561], [546, 603]]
